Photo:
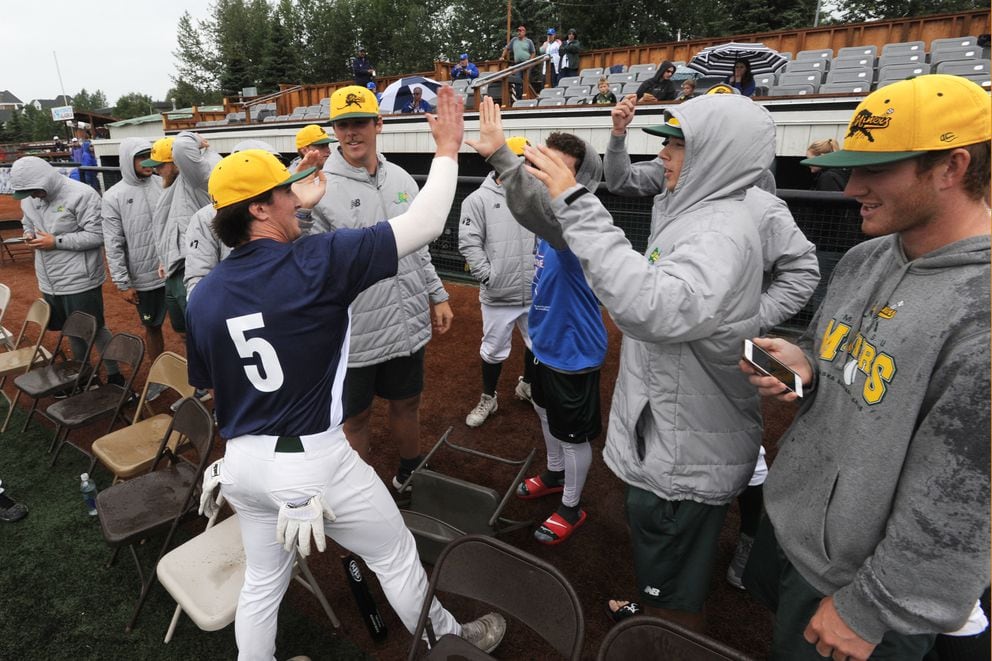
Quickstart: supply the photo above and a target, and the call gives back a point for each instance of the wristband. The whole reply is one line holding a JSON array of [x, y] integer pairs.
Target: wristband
[[304, 214]]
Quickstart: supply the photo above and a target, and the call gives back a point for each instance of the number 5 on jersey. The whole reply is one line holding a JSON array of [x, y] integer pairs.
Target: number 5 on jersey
[[249, 347]]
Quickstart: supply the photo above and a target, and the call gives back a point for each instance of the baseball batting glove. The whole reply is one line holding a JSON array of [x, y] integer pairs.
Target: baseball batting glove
[[208, 492], [297, 522]]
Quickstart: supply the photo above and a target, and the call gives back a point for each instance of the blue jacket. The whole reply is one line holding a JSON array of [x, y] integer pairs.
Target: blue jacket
[[469, 71], [423, 106]]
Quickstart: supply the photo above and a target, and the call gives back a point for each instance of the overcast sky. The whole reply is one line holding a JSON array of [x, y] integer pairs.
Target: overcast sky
[[117, 46]]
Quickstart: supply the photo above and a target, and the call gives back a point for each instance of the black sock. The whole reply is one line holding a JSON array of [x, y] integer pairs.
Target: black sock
[[490, 377], [570, 514], [410, 465], [553, 478], [528, 366], [750, 503]]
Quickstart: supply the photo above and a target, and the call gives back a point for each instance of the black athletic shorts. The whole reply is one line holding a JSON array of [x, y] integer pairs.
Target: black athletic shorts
[[399, 378], [63, 305], [572, 402], [151, 307], [175, 300]]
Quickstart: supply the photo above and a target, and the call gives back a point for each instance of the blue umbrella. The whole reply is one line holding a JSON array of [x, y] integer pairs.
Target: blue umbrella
[[400, 93]]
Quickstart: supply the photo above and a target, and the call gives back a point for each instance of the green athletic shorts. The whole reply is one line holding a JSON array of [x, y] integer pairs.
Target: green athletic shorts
[[175, 300], [674, 545], [63, 305], [151, 307]]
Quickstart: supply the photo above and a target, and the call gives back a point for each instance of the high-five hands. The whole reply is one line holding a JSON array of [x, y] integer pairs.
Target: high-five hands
[[491, 136], [448, 123], [310, 190], [549, 167]]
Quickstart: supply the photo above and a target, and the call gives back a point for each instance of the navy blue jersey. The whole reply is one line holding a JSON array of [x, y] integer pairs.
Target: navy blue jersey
[[268, 328]]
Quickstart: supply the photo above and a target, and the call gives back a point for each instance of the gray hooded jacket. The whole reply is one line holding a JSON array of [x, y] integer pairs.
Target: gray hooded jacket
[[70, 211], [391, 318], [128, 231], [499, 252], [685, 423], [187, 195]]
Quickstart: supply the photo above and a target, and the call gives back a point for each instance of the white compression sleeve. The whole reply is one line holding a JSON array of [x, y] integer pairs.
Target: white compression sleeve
[[424, 220]]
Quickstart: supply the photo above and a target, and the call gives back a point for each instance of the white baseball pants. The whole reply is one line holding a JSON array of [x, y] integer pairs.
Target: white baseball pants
[[497, 330]]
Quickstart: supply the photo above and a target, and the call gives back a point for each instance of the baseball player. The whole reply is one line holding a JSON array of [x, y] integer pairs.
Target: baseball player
[[268, 328], [311, 138]]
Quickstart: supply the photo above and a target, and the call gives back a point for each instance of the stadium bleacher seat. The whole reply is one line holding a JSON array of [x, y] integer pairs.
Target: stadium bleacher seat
[[807, 65], [965, 68], [298, 111], [589, 73], [896, 72], [617, 89], [551, 101], [551, 93], [766, 79], [857, 52], [793, 90], [630, 88], [579, 90], [282, 118], [983, 79], [852, 63], [787, 55], [577, 100], [800, 78], [938, 45], [706, 82], [864, 75], [622, 78], [845, 88], [460, 85], [525, 103], [644, 75], [817, 54], [642, 68], [570, 81], [903, 47], [949, 54], [761, 90], [588, 81], [918, 58], [270, 118]]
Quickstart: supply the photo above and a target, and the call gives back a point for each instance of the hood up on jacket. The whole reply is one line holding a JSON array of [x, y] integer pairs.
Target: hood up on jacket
[[127, 150], [721, 160], [33, 173]]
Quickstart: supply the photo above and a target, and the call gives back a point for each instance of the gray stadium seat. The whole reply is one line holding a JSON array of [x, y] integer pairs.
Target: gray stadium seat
[[570, 81], [460, 85], [579, 90], [896, 72], [642, 68], [577, 100], [787, 55], [525, 103], [853, 63], [621, 78], [964, 67], [270, 118], [807, 65], [845, 88], [857, 52], [617, 89], [863, 75], [282, 118], [938, 45], [645, 75], [326, 102], [298, 111], [761, 90], [982, 79], [594, 71], [818, 54], [588, 81], [949, 54], [902, 58], [793, 90], [766, 79], [903, 47], [800, 78], [630, 88], [552, 101], [551, 93]]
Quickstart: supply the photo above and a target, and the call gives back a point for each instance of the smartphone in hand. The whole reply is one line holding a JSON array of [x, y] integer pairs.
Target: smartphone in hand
[[764, 363]]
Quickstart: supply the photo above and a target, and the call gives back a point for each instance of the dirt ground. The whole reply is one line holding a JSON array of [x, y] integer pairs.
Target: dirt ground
[[597, 560]]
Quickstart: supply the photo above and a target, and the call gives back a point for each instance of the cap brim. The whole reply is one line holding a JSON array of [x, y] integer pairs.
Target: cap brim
[[303, 174], [354, 115], [324, 141], [149, 163], [21, 194], [846, 158], [665, 131]]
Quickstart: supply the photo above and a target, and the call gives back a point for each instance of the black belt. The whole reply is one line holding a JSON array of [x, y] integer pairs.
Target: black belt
[[289, 444]]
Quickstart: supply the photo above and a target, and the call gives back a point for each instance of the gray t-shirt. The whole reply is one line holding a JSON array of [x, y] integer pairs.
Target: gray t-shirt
[[522, 49]]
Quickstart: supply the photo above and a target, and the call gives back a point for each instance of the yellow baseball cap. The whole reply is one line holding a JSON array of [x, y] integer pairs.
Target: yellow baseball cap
[[905, 119], [517, 143], [722, 88], [670, 129], [312, 134], [161, 153], [353, 102], [248, 173]]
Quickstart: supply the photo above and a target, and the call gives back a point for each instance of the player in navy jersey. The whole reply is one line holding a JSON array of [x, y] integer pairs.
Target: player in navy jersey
[[268, 330]]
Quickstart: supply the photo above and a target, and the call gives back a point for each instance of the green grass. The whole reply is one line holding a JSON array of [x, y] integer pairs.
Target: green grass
[[58, 599]]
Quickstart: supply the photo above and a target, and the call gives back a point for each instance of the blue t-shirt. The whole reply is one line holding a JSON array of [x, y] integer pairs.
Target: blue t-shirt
[[268, 328], [565, 324]]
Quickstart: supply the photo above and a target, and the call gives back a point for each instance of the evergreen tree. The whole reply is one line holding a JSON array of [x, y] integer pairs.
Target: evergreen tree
[[196, 65], [870, 10], [133, 104], [83, 100]]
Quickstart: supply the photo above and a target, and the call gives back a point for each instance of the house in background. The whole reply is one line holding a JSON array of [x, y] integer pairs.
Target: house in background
[[9, 102], [48, 104]]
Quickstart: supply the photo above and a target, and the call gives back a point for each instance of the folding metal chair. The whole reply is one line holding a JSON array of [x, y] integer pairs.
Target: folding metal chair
[[643, 637], [25, 354]]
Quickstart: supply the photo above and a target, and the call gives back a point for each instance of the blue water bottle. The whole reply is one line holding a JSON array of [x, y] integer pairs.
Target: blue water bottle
[[89, 493]]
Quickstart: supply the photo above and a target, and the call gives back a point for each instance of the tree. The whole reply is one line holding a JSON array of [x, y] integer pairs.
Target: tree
[[196, 65], [83, 100], [133, 104], [870, 10]]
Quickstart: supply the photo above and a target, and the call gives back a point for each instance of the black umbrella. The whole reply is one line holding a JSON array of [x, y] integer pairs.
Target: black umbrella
[[719, 60]]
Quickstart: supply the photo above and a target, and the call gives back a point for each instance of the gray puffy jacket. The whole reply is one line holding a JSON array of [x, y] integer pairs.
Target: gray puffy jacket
[[128, 231], [499, 252], [70, 211], [391, 318]]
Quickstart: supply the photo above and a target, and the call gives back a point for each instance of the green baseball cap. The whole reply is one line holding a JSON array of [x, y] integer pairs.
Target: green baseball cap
[[670, 129]]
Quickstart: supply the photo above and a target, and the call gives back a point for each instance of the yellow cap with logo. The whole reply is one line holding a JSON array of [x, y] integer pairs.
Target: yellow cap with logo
[[161, 153], [517, 143], [248, 173], [911, 117], [722, 88], [353, 102], [312, 134], [670, 129]]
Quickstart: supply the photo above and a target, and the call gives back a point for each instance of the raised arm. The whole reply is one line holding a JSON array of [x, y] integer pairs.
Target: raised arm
[[622, 176]]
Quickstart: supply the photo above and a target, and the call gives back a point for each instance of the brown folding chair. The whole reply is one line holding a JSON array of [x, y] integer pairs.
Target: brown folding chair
[[6, 337], [130, 451], [132, 511], [26, 354], [62, 373], [643, 637], [491, 571], [97, 400]]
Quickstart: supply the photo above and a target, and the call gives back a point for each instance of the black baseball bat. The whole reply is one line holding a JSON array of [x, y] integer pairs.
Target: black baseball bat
[[363, 598]]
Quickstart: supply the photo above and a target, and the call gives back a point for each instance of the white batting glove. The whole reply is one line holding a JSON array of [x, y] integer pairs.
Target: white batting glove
[[208, 496], [297, 523]]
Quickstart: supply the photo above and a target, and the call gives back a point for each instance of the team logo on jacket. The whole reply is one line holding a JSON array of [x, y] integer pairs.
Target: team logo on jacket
[[654, 256], [865, 122], [357, 202], [130, 200], [402, 198], [860, 357]]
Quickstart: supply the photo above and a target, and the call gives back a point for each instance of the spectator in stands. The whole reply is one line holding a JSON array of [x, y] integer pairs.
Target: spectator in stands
[[688, 90], [391, 321], [565, 322], [129, 237], [742, 79], [372, 88], [362, 68], [877, 528], [310, 138], [605, 96], [830, 179], [464, 70], [417, 104], [500, 254], [660, 86], [519, 49], [570, 50], [89, 160], [552, 48], [62, 222], [76, 150], [57, 145]]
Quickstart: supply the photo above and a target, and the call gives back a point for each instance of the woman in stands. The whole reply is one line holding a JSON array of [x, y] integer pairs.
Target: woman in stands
[[659, 87], [742, 79], [833, 179]]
